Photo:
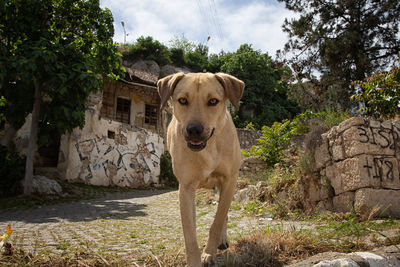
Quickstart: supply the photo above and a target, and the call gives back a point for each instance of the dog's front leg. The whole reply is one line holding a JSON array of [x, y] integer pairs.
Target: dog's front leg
[[217, 227], [188, 217]]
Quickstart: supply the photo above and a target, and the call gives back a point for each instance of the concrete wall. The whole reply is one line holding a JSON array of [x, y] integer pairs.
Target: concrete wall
[[139, 96], [106, 152]]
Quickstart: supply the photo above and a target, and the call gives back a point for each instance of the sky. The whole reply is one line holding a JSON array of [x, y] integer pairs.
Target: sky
[[228, 23]]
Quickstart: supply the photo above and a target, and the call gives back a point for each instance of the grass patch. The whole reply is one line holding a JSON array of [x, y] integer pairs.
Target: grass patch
[[272, 246]]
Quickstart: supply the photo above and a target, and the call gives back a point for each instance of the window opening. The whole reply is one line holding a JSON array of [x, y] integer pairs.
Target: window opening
[[111, 134], [150, 116], [123, 113]]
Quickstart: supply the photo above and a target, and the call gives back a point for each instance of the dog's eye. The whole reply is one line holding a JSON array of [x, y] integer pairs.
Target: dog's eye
[[183, 101], [212, 102]]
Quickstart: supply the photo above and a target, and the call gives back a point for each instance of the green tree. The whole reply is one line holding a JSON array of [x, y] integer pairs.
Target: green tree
[[381, 93], [177, 56], [150, 49], [196, 61], [53, 54], [264, 100], [343, 41], [189, 54], [181, 42], [215, 61]]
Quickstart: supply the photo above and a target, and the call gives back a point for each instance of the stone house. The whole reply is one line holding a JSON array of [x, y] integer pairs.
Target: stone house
[[121, 142]]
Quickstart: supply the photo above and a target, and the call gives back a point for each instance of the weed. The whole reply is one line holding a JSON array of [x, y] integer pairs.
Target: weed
[[166, 172], [160, 246], [133, 235], [63, 245], [236, 206]]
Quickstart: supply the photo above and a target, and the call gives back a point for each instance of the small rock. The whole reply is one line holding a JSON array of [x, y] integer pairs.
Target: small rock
[[337, 263], [45, 186]]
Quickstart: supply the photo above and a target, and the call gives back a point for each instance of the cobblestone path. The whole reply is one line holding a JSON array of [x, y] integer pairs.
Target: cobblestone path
[[121, 223]]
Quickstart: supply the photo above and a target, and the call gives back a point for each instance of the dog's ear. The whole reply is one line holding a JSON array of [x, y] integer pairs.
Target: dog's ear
[[166, 87], [233, 87]]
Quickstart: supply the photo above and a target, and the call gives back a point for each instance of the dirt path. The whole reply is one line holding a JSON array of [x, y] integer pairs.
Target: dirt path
[[122, 223]]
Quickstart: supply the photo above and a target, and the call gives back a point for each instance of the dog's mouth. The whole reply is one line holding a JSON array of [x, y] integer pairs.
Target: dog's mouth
[[198, 145]]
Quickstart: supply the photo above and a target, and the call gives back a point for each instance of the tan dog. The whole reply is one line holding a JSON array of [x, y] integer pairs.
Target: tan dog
[[205, 150]]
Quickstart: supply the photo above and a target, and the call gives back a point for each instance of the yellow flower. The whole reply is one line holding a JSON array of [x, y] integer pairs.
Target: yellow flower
[[6, 235]]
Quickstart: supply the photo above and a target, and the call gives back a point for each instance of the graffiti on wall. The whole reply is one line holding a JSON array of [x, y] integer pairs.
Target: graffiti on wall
[[120, 164], [381, 168], [383, 165], [383, 137]]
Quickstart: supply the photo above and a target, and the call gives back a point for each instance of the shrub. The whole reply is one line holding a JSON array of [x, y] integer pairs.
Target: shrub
[[380, 93], [273, 142], [12, 169], [166, 173], [196, 61], [304, 122], [148, 49], [178, 56]]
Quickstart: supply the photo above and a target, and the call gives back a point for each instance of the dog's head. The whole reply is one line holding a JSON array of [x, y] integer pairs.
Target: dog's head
[[198, 102]]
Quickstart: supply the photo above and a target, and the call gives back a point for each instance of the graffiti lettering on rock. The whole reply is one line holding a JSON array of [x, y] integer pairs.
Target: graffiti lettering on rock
[[383, 137], [381, 167]]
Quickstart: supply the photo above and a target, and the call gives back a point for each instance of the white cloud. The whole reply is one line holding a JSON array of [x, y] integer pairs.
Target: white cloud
[[230, 23]]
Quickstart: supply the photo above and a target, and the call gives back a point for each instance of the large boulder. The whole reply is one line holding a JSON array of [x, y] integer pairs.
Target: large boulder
[[169, 69], [149, 66]]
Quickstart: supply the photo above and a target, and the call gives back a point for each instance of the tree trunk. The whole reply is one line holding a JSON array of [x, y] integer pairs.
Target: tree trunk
[[8, 136], [27, 182]]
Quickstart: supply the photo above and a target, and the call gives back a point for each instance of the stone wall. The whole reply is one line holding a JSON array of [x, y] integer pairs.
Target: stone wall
[[248, 138], [357, 167], [252, 166]]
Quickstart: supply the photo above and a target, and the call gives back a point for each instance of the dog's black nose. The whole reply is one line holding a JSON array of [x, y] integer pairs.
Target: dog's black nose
[[194, 130]]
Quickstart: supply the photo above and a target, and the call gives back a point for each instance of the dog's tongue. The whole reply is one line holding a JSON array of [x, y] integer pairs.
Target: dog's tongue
[[195, 143]]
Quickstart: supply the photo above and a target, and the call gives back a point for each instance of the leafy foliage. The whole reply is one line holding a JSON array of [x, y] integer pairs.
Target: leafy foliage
[[182, 43], [53, 53], [150, 49], [343, 40], [2, 109], [196, 61], [178, 56], [65, 47], [273, 142], [330, 117], [12, 169], [381, 93], [166, 171], [264, 100]]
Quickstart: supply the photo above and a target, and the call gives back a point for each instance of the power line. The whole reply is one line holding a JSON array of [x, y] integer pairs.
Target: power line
[[205, 16], [210, 15], [218, 22]]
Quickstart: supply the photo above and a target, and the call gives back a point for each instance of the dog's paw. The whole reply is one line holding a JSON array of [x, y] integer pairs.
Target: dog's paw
[[223, 246], [207, 260]]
